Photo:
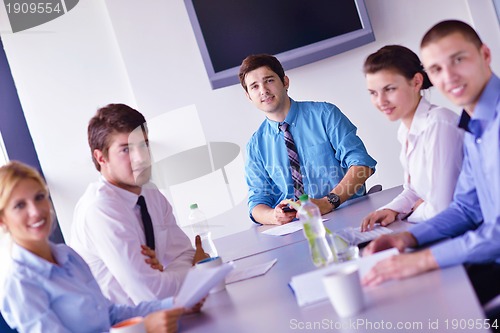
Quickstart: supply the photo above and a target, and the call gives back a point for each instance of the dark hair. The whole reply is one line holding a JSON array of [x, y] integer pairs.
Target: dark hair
[[113, 118], [399, 59], [255, 61], [445, 28]]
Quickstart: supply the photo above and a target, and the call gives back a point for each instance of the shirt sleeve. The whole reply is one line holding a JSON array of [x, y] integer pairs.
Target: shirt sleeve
[[349, 149], [26, 307], [404, 202], [118, 313], [260, 185], [462, 220], [444, 152], [118, 245]]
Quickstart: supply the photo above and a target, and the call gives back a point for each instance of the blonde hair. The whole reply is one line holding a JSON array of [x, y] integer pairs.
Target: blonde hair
[[10, 175]]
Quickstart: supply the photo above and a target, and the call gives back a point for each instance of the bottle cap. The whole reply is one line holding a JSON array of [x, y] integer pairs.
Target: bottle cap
[[304, 197], [193, 206]]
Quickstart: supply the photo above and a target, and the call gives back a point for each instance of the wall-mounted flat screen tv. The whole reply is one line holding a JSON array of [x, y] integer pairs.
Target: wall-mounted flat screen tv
[[297, 32]]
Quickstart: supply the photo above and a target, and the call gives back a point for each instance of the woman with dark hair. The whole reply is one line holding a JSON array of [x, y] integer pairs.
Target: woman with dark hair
[[48, 287], [431, 142]]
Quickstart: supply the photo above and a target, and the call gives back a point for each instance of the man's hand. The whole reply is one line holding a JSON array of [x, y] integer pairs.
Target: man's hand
[[266, 215], [400, 266], [400, 241], [164, 321], [151, 258], [384, 217], [323, 204], [199, 254], [280, 216]]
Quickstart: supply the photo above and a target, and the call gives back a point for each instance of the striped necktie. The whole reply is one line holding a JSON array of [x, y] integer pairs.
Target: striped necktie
[[293, 156]]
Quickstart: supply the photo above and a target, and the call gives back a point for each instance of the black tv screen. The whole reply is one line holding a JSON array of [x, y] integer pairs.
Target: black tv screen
[[297, 32]]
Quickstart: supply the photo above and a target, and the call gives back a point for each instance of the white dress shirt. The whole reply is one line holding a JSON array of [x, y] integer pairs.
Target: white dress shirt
[[431, 155], [107, 232]]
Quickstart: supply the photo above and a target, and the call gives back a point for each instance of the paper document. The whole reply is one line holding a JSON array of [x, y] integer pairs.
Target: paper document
[[308, 287], [285, 229], [198, 283], [240, 274]]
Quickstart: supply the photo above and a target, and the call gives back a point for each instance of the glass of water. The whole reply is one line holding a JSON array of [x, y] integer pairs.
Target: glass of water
[[343, 245]]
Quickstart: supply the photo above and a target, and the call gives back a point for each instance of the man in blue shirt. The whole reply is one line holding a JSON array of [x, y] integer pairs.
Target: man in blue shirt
[[331, 161], [458, 63]]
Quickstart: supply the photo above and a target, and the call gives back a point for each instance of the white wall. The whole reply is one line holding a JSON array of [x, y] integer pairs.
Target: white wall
[[144, 54]]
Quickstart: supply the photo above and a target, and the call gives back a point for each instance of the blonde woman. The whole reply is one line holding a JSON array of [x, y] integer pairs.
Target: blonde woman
[[49, 288]]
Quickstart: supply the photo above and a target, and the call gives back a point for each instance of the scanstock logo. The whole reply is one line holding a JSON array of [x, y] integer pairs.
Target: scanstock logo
[[25, 14]]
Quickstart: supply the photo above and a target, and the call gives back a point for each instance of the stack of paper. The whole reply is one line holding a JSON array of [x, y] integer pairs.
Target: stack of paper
[[308, 287]]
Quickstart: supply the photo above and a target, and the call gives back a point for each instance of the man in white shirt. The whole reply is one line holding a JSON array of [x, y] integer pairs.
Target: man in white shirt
[[109, 227]]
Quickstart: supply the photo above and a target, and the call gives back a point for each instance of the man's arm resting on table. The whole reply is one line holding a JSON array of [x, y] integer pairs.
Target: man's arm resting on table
[[400, 267], [353, 180], [400, 241]]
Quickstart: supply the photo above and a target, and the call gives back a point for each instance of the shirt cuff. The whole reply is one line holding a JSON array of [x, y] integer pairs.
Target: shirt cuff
[[166, 303], [424, 233], [449, 253]]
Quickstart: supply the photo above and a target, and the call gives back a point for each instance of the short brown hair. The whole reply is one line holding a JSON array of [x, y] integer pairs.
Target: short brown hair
[[445, 28], [10, 175], [113, 118], [254, 61], [398, 58]]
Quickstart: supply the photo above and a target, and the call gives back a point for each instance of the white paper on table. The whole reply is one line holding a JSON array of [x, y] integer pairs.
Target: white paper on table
[[308, 287], [285, 229], [240, 274], [198, 283]]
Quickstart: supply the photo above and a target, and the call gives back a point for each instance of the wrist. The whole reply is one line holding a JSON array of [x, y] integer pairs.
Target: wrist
[[409, 240], [333, 199], [429, 262]]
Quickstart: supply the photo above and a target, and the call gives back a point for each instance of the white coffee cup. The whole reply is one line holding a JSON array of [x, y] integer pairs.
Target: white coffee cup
[[209, 263], [132, 325], [345, 291]]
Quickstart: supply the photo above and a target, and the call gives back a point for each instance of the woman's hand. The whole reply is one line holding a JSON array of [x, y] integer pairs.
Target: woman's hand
[[383, 216]]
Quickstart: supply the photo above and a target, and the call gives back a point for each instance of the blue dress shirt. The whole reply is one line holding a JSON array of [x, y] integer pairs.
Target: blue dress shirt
[[473, 218], [327, 146], [42, 297]]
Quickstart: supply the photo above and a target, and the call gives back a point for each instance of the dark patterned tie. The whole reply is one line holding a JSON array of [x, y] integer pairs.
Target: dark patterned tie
[[293, 156], [146, 221]]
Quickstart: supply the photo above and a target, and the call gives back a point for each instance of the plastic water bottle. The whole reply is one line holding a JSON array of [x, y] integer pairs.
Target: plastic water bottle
[[315, 232], [199, 225]]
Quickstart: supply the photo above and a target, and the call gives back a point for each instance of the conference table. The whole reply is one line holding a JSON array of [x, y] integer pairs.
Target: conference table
[[437, 301]]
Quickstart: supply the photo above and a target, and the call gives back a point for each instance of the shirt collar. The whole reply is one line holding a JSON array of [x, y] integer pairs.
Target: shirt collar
[[418, 124], [485, 110], [290, 119], [129, 198], [33, 262]]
